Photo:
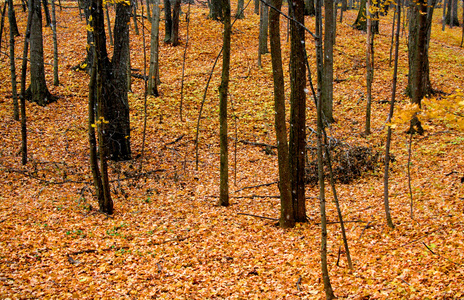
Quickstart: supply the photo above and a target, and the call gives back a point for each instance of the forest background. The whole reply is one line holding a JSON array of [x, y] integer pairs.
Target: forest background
[[168, 238]]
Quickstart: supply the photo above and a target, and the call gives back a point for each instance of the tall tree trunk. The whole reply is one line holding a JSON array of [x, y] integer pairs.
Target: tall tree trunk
[[297, 111], [167, 21], [56, 80], [369, 67], [38, 90], [327, 84], [309, 8], [108, 21], [390, 116], [216, 10], [12, 61], [240, 14], [175, 23], [103, 70], [23, 85], [451, 13], [223, 91], [134, 15], [48, 20], [287, 219], [116, 101], [153, 73], [320, 168], [256, 10], [263, 31]]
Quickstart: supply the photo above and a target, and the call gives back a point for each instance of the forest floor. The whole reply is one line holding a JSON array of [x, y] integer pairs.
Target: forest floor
[[168, 238]]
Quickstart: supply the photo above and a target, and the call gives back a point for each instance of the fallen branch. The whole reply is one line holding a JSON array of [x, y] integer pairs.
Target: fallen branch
[[256, 216], [256, 186], [428, 248]]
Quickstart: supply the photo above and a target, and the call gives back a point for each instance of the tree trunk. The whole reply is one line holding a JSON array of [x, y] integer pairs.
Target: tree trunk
[[287, 219], [390, 116], [297, 111], [56, 80], [116, 102], [12, 61], [110, 33], [23, 85], [320, 168], [103, 69], [153, 74], [175, 23], [223, 91], [134, 15], [361, 21], [38, 90], [309, 8], [263, 31], [369, 67], [216, 10], [240, 14], [256, 2], [451, 13], [167, 21], [48, 20], [327, 84]]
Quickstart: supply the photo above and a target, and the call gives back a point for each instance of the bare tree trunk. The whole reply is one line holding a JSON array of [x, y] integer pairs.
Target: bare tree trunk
[[223, 91], [38, 90], [309, 8], [12, 61], [102, 68], [56, 80], [240, 14], [320, 65], [134, 16], [462, 37], [390, 116], [327, 84], [443, 18], [153, 73], [167, 21], [23, 86], [369, 67], [256, 2], [287, 219], [263, 31], [175, 23], [297, 111]]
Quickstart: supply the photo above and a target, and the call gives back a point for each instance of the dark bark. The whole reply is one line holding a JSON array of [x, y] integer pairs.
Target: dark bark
[[297, 111], [56, 80], [116, 103], [309, 8], [287, 219], [108, 22], [369, 68], [263, 30], [223, 92], [175, 23], [419, 36], [48, 20], [216, 10], [167, 21], [327, 83], [451, 18], [390, 116], [256, 10], [12, 61], [240, 14], [38, 91], [103, 69], [324, 268], [153, 73]]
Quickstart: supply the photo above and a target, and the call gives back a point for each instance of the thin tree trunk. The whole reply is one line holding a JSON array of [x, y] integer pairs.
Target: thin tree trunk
[[183, 64], [23, 86], [443, 18], [153, 73], [223, 92], [369, 66], [56, 80], [327, 84], [256, 11], [263, 31], [390, 116], [175, 23], [167, 21], [96, 176], [392, 38], [462, 37], [287, 219], [297, 111], [134, 16], [48, 20], [2, 23], [12, 61], [149, 11], [240, 14]]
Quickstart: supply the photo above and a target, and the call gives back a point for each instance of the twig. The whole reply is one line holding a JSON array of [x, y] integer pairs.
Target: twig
[[428, 248], [261, 217], [364, 229]]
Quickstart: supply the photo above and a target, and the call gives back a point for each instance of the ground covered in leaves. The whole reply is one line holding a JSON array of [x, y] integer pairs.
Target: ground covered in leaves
[[168, 238]]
